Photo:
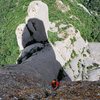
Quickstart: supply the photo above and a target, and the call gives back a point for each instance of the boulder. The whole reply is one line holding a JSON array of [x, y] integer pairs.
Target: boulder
[[37, 28]]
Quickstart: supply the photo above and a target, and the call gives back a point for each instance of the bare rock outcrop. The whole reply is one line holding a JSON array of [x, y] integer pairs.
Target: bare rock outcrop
[[77, 59], [62, 7]]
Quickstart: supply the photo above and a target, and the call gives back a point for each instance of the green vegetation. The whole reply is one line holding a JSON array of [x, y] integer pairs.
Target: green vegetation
[[67, 64], [93, 66], [13, 12], [96, 65], [92, 5], [53, 37], [73, 40], [73, 54]]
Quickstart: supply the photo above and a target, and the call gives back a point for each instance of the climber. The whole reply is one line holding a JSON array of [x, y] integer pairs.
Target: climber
[[55, 84]]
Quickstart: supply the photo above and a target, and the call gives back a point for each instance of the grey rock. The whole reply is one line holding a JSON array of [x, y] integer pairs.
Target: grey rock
[[28, 51], [37, 28], [42, 64], [95, 50]]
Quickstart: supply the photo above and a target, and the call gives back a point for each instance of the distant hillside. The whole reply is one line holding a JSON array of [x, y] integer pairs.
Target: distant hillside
[[13, 12]]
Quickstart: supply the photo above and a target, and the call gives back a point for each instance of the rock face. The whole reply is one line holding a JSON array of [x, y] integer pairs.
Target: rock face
[[77, 60], [95, 50]]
